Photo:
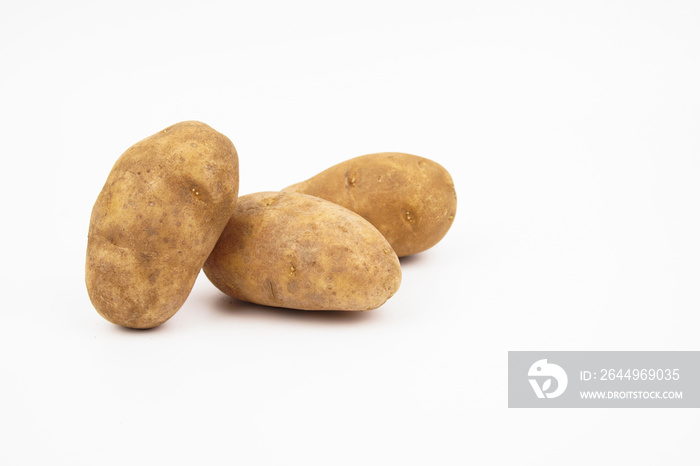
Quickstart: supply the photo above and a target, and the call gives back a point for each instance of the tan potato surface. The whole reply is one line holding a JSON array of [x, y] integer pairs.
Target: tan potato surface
[[411, 200], [302, 252], [160, 213]]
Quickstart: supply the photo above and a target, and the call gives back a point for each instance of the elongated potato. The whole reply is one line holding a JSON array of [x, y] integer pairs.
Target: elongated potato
[[158, 217], [296, 251], [410, 199]]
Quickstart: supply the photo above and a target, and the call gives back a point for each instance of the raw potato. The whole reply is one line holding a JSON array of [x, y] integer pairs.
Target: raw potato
[[301, 252], [158, 217], [410, 199]]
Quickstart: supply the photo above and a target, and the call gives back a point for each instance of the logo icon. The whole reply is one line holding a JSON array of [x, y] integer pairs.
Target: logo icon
[[542, 370]]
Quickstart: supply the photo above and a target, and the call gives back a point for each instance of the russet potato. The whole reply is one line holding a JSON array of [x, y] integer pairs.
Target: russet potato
[[302, 252], [157, 218], [411, 200]]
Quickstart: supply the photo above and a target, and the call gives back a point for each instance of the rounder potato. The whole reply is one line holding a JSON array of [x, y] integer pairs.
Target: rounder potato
[[157, 218], [411, 200], [302, 252]]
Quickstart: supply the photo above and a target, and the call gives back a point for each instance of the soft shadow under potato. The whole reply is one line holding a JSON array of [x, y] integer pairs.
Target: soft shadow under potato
[[412, 260], [229, 306], [142, 331]]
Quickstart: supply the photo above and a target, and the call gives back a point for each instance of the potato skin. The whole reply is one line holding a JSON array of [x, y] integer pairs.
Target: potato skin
[[157, 218], [411, 200], [301, 252]]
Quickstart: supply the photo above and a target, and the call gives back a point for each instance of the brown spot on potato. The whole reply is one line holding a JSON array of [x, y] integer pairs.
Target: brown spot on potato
[[147, 256], [272, 289]]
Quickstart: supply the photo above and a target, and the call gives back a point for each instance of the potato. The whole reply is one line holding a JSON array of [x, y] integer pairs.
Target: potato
[[301, 252], [410, 199], [158, 217]]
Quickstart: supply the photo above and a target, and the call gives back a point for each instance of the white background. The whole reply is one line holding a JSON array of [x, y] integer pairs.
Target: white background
[[571, 130]]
